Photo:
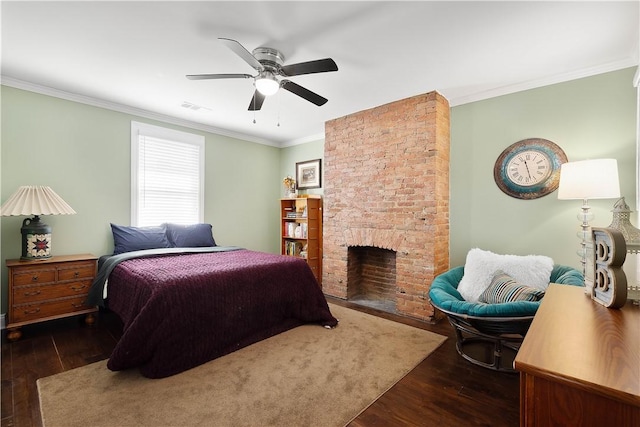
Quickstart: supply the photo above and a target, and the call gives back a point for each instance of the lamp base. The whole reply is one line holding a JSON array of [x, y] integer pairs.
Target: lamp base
[[586, 246], [36, 239]]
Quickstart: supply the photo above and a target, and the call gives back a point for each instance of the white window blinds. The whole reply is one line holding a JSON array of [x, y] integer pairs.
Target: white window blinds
[[167, 176]]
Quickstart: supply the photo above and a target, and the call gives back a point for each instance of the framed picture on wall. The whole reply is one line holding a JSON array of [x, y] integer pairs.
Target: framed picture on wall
[[309, 174]]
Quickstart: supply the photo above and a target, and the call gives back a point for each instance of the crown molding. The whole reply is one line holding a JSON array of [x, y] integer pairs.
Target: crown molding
[[121, 108], [533, 84], [453, 102], [304, 140]]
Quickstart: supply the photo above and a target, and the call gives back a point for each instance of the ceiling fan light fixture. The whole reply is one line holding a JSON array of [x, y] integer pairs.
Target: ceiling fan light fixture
[[268, 62], [267, 84]]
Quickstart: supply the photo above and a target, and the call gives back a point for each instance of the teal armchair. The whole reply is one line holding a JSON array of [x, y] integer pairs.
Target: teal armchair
[[485, 332]]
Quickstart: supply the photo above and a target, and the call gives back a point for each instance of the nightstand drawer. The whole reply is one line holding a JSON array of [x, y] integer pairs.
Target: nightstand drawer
[[49, 308], [35, 293], [77, 271], [28, 276]]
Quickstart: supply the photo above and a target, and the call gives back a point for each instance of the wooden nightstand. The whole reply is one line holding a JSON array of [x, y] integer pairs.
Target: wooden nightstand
[[49, 289]]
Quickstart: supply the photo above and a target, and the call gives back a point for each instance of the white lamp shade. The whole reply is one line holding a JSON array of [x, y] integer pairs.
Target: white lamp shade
[[35, 200], [589, 179]]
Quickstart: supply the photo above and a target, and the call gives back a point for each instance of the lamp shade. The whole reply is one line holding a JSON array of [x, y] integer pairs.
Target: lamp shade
[[589, 179], [35, 200]]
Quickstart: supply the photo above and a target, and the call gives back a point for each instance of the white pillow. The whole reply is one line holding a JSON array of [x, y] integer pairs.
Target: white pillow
[[530, 270]]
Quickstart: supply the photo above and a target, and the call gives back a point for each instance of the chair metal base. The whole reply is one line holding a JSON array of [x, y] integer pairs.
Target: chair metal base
[[496, 345]]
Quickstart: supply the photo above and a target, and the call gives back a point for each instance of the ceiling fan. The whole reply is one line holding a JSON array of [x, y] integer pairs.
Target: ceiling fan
[[268, 63]]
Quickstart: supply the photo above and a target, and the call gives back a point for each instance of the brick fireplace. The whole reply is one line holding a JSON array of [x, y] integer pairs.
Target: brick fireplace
[[386, 207]]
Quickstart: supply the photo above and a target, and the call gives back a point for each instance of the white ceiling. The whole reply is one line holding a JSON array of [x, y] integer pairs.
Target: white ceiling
[[135, 55]]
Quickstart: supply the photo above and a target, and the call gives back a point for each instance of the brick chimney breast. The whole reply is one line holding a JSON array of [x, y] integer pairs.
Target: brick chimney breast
[[386, 186]]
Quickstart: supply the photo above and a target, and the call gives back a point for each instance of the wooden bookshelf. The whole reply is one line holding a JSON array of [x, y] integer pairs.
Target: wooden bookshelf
[[301, 231]]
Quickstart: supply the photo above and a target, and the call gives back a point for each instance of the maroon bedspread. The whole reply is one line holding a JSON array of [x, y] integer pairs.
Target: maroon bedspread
[[180, 311]]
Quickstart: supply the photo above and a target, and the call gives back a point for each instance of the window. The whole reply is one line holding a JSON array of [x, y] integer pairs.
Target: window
[[167, 176]]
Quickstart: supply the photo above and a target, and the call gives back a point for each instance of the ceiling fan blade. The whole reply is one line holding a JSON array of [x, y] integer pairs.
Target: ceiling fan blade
[[243, 53], [218, 76], [317, 66], [256, 101], [303, 92]]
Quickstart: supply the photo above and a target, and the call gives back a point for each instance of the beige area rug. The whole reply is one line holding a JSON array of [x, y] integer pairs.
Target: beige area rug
[[308, 376]]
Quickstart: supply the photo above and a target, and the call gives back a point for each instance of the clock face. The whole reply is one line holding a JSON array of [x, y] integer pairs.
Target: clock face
[[529, 169]]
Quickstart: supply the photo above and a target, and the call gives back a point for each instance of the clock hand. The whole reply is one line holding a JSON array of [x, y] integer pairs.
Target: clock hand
[[527, 166]]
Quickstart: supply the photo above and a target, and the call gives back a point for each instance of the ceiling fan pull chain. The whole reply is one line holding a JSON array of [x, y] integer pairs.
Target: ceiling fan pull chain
[[278, 109]]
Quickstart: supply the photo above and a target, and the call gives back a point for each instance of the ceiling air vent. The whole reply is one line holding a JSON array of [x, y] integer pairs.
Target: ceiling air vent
[[194, 107]]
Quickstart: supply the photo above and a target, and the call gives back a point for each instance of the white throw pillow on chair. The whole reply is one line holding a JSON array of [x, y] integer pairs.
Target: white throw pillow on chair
[[530, 270]]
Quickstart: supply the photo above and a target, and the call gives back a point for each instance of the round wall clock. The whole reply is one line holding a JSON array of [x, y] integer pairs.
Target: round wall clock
[[529, 169]]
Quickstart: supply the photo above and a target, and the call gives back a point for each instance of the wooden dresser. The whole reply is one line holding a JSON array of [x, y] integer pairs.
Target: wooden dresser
[[49, 289], [580, 363]]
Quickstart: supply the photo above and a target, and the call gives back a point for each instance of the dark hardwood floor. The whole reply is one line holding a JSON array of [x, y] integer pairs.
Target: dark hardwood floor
[[444, 390]]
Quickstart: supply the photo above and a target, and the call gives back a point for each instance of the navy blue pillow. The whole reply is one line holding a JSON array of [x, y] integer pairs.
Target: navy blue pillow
[[190, 236], [128, 239]]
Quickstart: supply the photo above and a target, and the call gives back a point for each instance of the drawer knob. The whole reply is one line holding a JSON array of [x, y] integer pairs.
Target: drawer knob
[[34, 278], [34, 311], [78, 288], [32, 294], [76, 274]]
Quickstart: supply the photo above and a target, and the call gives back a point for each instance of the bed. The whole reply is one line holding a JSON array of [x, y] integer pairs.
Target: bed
[[182, 307]]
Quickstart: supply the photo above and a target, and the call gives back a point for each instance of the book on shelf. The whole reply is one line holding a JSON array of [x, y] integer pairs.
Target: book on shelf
[[296, 230], [294, 215], [290, 230], [292, 248]]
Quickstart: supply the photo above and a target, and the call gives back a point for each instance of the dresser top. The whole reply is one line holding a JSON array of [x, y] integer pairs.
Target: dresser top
[[573, 338], [53, 259]]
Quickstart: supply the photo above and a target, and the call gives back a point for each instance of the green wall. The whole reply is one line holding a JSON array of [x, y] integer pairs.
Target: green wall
[[593, 117], [589, 118], [300, 153], [83, 153]]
